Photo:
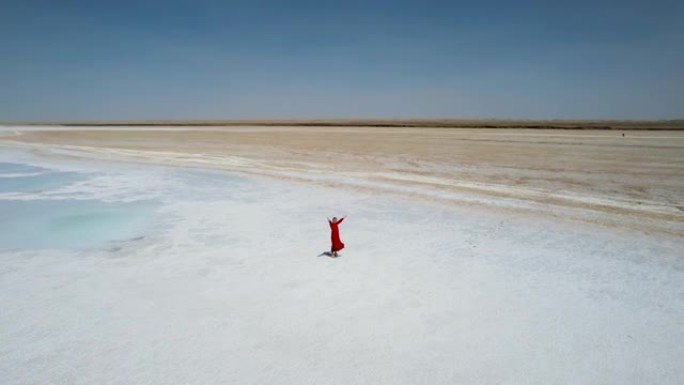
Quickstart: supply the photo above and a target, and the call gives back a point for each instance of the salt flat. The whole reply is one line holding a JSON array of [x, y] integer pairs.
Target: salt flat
[[224, 282], [635, 180]]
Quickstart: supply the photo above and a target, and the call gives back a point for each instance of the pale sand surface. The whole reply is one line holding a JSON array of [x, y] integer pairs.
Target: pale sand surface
[[635, 181]]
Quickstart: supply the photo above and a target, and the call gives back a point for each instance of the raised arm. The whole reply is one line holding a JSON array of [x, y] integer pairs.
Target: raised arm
[[341, 219]]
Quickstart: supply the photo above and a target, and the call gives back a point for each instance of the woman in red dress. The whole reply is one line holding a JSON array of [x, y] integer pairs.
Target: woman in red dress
[[337, 244]]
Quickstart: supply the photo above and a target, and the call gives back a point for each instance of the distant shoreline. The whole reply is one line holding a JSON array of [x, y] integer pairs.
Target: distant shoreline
[[414, 123], [627, 179]]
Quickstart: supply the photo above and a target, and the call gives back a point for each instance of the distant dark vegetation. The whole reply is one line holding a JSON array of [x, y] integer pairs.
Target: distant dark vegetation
[[435, 123]]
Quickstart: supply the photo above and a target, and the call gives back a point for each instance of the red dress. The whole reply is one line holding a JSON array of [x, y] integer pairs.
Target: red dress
[[337, 244]]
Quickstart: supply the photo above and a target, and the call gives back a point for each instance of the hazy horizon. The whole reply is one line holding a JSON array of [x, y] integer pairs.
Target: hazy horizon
[[212, 60], [325, 120]]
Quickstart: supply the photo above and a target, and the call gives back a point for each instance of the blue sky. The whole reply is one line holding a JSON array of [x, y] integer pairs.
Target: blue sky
[[210, 59]]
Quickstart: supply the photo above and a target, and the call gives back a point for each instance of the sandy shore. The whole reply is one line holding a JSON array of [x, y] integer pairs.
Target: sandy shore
[[634, 181]]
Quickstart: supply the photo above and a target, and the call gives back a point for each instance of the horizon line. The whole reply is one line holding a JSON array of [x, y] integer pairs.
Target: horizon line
[[665, 124]]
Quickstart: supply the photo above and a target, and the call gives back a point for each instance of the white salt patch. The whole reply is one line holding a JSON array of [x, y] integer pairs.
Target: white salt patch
[[229, 289], [20, 174]]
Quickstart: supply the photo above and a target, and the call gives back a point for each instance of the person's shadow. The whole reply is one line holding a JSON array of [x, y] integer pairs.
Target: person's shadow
[[325, 253]]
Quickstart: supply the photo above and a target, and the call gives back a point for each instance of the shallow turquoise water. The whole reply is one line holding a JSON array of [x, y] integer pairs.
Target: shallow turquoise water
[[29, 220], [69, 223], [16, 177]]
